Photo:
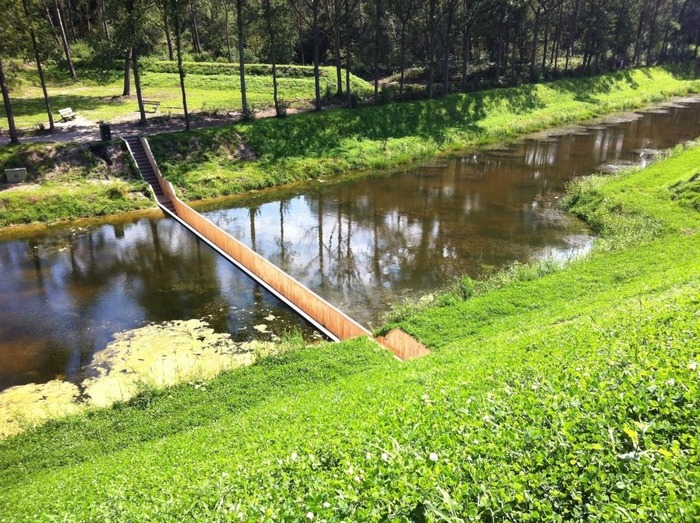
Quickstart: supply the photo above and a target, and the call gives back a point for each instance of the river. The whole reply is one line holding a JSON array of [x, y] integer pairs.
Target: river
[[363, 244]]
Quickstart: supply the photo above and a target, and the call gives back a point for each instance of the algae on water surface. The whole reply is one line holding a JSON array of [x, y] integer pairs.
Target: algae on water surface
[[156, 355]]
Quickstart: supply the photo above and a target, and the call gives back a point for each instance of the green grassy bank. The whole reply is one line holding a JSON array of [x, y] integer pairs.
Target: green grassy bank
[[216, 162], [210, 88], [567, 395], [77, 181], [69, 181]]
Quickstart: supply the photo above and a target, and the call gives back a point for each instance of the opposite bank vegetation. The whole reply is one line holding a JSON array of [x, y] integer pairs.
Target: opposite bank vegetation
[[551, 394], [74, 181]]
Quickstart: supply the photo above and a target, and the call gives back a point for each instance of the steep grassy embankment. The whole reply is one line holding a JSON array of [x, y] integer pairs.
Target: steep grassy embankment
[[69, 181], [572, 395], [216, 162]]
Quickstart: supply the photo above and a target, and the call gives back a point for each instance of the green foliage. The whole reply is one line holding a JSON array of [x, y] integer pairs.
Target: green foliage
[[566, 397], [332, 142], [70, 181], [211, 87], [688, 192]]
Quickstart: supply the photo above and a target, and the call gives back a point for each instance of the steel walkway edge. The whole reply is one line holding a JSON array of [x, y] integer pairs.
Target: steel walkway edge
[[328, 319]]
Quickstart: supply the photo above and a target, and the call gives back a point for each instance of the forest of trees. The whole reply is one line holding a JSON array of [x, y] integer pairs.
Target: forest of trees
[[424, 47]]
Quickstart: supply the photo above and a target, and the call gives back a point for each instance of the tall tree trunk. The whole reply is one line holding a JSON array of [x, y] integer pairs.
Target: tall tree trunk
[[51, 23], [103, 20], [127, 74], [533, 51], [180, 67], [39, 65], [446, 49], [64, 42], [137, 84], [316, 37], [228, 34], [88, 19], [166, 29], [652, 32], [377, 39], [545, 44], [338, 61], [14, 138], [196, 42], [431, 48], [241, 57], [402, 57], [638, 41], [273, 55], [348, 55], [466, 39], [69, 21], [557, 38], [499, 50]]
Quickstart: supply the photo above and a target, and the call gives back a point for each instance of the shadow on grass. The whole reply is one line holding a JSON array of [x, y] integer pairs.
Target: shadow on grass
[[434, 120], [32, 107], [586, 89], [84, 161]]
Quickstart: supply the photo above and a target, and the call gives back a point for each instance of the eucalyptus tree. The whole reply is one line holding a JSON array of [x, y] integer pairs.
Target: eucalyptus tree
[[335, 13], [274, 17], [9, 113], [471, 12], [30, 20], [135, 32], [308, 12], [449, 14], [240, 4], [64, 39], [177, 11], [403, 11], [164, 8], [10, 45]]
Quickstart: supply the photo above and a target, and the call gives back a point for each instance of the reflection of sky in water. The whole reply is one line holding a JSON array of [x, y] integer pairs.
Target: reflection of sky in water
[[367, 243], [63, 295]]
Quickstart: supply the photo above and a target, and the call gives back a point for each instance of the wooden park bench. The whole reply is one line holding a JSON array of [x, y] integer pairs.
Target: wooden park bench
[[67, 114], [151, 106]]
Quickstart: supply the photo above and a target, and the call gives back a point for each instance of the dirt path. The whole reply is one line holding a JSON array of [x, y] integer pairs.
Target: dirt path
[[83, 130]]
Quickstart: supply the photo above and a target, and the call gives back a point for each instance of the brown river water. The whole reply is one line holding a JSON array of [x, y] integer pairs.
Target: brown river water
[[362, 244]]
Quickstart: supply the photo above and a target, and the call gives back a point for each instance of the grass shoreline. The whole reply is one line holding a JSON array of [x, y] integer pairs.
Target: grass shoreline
[[574, 395], [215, 162], [212, 163]]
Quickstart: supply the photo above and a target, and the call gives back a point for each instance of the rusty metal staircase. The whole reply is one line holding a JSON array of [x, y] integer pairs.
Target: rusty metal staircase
[[138, 153]]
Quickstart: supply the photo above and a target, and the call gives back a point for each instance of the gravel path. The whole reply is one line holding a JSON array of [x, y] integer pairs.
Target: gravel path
[[82, 130]]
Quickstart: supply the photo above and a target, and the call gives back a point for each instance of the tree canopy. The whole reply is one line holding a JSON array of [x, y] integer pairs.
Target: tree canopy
[[413, 48]]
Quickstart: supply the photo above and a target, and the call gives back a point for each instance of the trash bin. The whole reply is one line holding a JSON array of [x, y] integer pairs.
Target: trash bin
[[105, 132]]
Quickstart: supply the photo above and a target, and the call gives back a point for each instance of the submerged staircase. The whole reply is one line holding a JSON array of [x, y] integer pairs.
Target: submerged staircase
[[138, 153], [317, 311]]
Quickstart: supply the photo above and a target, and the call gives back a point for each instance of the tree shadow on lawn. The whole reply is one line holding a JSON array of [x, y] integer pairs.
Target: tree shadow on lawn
[[586, 89], [432, 120], [36, 107]]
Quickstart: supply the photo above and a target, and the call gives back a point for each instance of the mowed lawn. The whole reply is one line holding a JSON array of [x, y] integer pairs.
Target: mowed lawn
[[97, 95], [551, 394]]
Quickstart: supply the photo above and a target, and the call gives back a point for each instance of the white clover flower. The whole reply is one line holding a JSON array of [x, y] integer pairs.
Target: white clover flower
[[368, 456], [295, 456], [310, 516], [433, 457], [326, 504], [385, 456]]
